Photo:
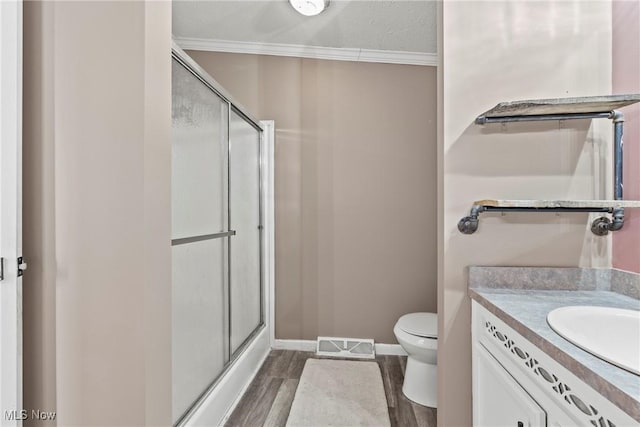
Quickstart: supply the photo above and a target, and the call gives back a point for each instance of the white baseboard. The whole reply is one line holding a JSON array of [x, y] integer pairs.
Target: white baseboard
[[297, 345], [390, 350], [310, 345]]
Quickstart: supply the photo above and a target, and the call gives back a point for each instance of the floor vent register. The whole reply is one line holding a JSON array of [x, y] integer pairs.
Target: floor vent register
[[357, 348]]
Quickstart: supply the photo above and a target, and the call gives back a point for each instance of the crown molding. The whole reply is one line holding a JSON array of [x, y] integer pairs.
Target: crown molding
[[315, 52]]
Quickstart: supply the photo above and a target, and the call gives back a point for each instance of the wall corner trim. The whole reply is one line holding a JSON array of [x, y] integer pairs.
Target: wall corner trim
[[314, 52], [310, 345]]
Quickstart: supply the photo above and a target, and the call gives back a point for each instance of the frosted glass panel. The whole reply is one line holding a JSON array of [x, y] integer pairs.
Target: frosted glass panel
[[200, 315], [199, 157], [200, 343], [244, 199]]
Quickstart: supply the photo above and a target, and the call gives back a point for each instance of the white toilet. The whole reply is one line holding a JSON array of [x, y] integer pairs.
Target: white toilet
[[417, 333]]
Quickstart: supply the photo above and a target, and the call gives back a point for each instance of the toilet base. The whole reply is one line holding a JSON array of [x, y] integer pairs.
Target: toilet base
[[421, 382]]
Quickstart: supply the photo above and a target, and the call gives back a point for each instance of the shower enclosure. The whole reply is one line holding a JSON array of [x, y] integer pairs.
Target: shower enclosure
[[217, 260]]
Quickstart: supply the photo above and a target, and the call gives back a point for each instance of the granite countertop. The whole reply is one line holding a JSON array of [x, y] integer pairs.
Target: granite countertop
[[525, 309]]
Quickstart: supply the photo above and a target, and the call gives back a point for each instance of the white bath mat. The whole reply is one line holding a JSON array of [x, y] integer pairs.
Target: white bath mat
[[339, 393]]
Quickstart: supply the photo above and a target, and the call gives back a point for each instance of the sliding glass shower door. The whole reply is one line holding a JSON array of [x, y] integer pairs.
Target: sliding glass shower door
[[199, 201], [216, 235], [246, 295]]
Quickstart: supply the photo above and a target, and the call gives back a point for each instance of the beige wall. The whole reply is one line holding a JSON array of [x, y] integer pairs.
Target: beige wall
[[39, 290], [503, 51], [626, 79], [97, 211], [355, 175]]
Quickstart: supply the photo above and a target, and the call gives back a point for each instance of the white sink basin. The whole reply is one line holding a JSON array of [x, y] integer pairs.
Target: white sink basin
[[612, 334]]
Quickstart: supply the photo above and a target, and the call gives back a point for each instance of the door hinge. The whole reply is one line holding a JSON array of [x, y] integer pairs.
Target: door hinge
[[1, 269], [22, 266]]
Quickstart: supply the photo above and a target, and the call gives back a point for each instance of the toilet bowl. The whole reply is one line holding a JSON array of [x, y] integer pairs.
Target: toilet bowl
[[417, 333]]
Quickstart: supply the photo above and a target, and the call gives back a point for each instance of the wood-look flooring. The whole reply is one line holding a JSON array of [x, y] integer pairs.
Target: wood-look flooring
[[268, 399]]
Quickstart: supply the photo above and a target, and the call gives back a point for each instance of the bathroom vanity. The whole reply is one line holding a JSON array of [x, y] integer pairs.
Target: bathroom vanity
[[524, 373]]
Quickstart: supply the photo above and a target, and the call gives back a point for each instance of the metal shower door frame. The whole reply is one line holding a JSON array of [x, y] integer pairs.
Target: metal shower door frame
[[233, 106]]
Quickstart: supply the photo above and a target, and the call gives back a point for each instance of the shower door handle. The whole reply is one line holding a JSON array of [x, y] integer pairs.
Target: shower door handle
[[183, 240]]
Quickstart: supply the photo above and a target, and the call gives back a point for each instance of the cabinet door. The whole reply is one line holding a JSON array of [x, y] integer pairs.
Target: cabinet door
[[498, 400]]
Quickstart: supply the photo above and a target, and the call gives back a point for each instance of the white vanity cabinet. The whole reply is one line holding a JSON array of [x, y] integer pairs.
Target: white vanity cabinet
[[499, 401], [516, 384]]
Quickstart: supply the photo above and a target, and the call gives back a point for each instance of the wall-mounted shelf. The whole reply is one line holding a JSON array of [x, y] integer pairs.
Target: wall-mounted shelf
[[587, 107], [555, 204], [562, 109]]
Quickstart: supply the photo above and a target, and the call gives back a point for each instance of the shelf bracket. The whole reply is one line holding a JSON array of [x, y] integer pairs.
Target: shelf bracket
[[601, 226], [469, 224]]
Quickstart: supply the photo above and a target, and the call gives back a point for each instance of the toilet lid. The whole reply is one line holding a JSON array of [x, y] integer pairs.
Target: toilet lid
[[420, 324]]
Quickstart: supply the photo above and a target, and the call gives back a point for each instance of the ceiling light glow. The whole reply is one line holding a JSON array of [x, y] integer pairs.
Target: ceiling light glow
[[309, 7]]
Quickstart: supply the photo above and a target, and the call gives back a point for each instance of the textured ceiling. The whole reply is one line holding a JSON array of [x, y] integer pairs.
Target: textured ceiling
[[396, 25]]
